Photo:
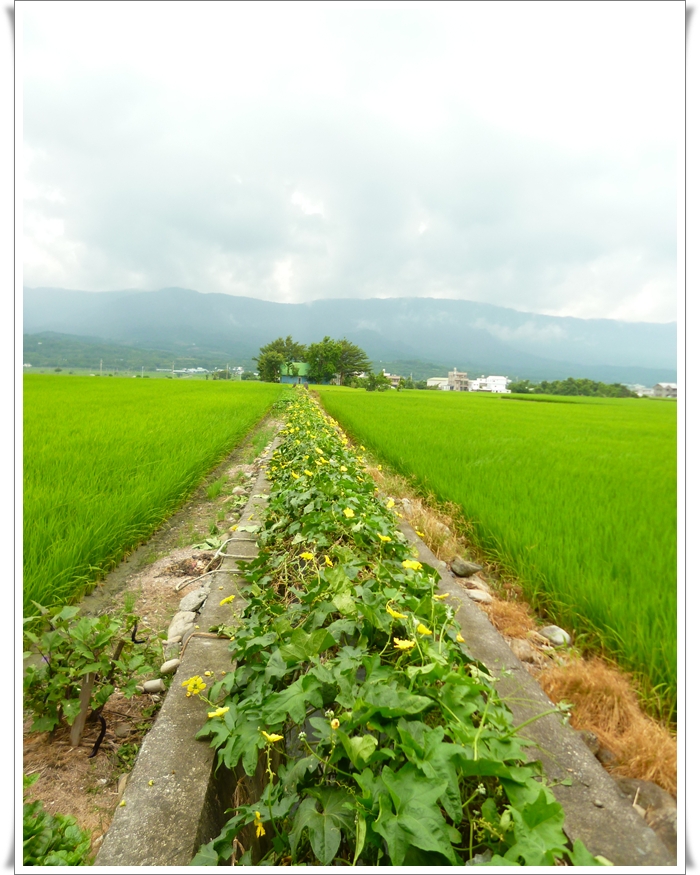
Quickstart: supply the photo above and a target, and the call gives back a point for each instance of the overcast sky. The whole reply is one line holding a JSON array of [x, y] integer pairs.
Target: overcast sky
[[522, 154]]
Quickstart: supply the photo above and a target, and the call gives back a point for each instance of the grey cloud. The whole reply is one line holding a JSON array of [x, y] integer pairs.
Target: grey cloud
[[151, 187]]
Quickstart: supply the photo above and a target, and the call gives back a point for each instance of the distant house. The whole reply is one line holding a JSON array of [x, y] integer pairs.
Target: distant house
[[457, 381], [490, 384], [665, 390], [296, 373], [393, 378], [440, 382]]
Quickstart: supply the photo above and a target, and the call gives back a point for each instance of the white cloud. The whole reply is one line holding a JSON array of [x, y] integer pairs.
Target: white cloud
[[521, 153]]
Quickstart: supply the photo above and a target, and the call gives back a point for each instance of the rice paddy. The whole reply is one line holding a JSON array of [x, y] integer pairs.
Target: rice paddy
[[576, 499], [107, 461]]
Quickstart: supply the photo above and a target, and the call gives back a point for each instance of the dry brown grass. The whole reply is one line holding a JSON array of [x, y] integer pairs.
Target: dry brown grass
[[604, 697], [605, 703], [512, 619]]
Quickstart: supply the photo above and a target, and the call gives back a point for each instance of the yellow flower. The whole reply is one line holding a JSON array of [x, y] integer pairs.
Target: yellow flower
[[307, 556], [233, 528], [194, 685], [439, 598], [349, 512], [343, 468], [218, 713], [208, 674], [423, 630], [320, 452], [259, 828], [308, 473], [361, 447], [295, 476], [395, 614], [227, 600], [411, 563], [379, 467], [384, 538], [335, 723], [329, 563], [390, 503], [271, 738], [420, 534], [459, 638], [402, 644]]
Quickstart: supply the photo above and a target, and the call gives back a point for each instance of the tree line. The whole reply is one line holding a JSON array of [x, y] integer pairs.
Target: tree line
[[571, 386]]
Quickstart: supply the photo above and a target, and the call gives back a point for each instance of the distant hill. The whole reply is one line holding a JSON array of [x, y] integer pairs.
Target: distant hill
[[401, 333]]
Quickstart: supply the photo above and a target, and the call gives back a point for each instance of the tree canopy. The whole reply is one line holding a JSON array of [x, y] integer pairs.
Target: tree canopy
[[327, 359]]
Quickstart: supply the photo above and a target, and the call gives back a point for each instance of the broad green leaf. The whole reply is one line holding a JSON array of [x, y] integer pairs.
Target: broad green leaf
[[293, 701], [303, 646], [345, 603], [359, 748], [390, 702], [205, 856], [324, 827]]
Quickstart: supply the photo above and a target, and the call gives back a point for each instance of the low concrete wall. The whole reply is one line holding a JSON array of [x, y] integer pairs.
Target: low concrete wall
[[175, 799]]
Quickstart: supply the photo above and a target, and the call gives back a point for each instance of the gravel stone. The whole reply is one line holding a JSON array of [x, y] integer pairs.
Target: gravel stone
[[180, 623], [170, 666], [556, 635], [462, 568], [193, 601], [478, 595], [155, 686]]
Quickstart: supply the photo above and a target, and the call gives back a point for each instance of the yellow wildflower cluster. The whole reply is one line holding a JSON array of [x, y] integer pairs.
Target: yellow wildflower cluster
[[412, 564], [259, 828], [271, 738], [349, 512], [227, 600], [307, 556], [395, 614], [195, 685], [403, 644], [218, 713]]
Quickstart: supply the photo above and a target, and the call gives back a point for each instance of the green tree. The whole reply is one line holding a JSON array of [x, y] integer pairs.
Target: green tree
[[270, 366], [289, 349], [323, 360], [377, 382], [351, 361]]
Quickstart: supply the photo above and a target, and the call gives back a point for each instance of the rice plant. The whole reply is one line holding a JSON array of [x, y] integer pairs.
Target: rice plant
[[107, 461], [577, 499]]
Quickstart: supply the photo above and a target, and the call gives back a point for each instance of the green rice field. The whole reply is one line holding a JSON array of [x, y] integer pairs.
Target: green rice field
[[577, 498], [107, 461]]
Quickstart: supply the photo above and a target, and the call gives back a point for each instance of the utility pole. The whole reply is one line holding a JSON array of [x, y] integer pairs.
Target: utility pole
[[227, 374], [142, 372]]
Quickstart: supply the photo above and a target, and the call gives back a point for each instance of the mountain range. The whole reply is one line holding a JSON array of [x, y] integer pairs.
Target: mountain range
[[394, 332]]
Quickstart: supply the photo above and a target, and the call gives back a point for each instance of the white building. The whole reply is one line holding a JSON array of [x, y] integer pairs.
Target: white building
[[665, 390], [440, 382], [490, 384]]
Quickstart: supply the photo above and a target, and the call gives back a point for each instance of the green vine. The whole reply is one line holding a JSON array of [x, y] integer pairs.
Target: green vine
[[351, 673]]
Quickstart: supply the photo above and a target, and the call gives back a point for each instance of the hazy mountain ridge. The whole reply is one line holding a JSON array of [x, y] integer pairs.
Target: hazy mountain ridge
[[468, 335]]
